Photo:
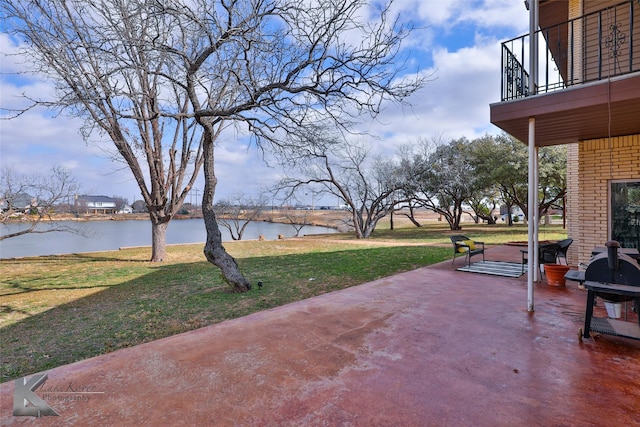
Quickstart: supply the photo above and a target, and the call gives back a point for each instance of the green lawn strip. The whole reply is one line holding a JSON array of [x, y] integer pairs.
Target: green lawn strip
[[438, 233], [491, 234], [59, 309]]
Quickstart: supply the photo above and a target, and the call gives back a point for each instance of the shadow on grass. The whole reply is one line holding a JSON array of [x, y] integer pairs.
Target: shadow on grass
[[75, 258], [180, 297], [37, 267]]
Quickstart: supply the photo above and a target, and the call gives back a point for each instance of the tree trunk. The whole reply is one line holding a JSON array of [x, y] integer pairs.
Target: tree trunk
[[158, 239], [357, 223], [412, 217], [213, 249], [218, 256], [454, 221], [368, 229]]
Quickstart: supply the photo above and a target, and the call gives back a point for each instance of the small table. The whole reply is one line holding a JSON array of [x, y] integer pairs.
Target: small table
[[610, 326]]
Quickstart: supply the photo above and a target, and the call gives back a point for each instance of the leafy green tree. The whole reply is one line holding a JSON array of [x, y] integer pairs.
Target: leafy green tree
[[504, 161], [440, 177], [498, 169], [483, 206], [552, 173]]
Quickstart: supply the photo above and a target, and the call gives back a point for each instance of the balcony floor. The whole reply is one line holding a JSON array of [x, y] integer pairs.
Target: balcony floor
[[582, 112], [433, 346]]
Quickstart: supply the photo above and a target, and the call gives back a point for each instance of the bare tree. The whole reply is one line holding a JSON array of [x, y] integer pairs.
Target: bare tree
[[269, 67], [346, 170], [297, 219], [97, 54], [30, 199], [236, 213]]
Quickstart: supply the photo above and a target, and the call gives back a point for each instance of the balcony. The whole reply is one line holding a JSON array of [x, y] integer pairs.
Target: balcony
[[588, 76]]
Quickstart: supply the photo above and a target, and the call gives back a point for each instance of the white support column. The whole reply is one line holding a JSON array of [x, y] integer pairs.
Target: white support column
[[532, 240], [536, 212], [532, 184], [534, 47]]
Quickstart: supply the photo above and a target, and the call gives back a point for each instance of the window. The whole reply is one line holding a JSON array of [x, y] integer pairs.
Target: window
[[625, 213]]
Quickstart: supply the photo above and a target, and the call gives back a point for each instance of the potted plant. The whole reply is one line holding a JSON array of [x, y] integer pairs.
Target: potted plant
[[555, 274]]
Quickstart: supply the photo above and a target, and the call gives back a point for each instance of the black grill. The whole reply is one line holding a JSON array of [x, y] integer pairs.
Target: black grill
[[613, 267]]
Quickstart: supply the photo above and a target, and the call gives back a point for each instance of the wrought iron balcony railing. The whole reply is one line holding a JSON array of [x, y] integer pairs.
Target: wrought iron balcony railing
[[591, 47]]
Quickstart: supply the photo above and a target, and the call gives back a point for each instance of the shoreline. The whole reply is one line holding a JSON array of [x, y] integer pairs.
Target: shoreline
[[329, 219]]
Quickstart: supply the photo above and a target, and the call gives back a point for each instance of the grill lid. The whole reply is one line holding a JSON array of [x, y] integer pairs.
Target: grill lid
[[626, 272]]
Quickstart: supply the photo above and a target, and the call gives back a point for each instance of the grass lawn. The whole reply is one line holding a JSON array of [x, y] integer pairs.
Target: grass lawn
[[56, 310]]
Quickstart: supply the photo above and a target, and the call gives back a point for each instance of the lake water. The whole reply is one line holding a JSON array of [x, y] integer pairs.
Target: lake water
[[112, 235]]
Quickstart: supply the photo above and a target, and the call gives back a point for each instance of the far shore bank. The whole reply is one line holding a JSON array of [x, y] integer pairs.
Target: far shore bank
[[322, 218], [337, 219]]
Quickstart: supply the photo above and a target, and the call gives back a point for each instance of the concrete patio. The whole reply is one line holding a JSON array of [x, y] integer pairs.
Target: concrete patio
[[433, 346]]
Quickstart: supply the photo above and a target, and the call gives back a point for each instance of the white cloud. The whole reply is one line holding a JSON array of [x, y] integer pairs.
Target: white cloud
[[11, 63], [446, 14], [455, 104], [241, 169], [509, 14]]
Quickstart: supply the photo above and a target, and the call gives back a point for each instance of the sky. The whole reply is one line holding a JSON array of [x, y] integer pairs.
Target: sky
[[457, 43]]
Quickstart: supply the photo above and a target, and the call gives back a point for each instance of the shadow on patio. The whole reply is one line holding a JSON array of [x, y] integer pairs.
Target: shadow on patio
[[433, 346]]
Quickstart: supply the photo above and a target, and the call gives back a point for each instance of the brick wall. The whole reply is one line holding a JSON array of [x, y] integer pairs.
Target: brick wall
[[572, 200], [599, 162], [575, 61]]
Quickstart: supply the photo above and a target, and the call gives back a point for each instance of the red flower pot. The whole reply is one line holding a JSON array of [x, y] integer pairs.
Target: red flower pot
[[555, 274]]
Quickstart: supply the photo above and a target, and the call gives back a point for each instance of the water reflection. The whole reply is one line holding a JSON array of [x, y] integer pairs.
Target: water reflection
[[111, 235]]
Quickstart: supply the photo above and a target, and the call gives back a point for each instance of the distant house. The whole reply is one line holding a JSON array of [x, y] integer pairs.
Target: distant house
[[126, 209], [96, 204], [20, 202]]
